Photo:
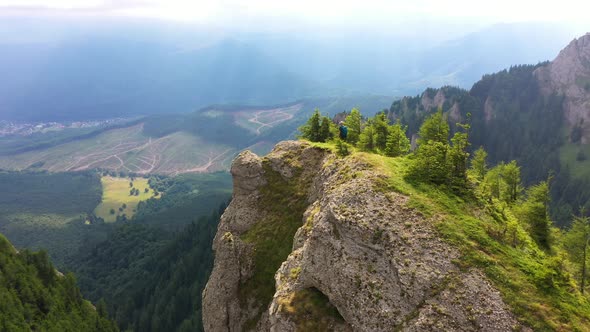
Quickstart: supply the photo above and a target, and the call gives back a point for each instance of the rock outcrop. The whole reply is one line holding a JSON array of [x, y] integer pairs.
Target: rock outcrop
[[360, 259], [569, 75]]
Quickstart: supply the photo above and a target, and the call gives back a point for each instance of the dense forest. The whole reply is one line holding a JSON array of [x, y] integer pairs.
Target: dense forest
[[147, 272], [511, 119], [35, 297], [151, 280], [187, 196]]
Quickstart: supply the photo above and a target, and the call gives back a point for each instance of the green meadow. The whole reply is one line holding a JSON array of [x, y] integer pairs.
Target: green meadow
[[117, 199]]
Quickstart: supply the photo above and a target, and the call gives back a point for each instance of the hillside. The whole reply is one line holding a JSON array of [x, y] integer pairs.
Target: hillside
[[198, 142], [535, 114], [312, 241], [35, 297]]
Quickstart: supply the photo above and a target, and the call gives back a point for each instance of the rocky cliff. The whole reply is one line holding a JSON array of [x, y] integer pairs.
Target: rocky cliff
[[569, 75], [312, 242]]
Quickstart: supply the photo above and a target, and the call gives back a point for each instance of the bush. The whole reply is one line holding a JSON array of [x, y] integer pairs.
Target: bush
[[342, 148]]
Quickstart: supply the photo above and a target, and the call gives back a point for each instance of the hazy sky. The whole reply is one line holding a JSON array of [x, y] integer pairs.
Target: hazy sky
[[324, 11]]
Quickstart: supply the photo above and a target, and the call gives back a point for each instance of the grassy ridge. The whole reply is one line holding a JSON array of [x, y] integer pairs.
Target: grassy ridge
[[536, 285]]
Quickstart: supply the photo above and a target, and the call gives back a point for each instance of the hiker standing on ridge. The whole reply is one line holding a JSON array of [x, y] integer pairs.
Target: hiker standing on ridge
[[343, 131]]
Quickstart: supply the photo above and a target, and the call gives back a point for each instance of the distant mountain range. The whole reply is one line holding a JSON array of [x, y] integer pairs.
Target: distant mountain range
[[134, 70]]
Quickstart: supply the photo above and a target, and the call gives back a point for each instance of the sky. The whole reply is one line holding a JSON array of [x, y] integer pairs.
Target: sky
[[312, 11]]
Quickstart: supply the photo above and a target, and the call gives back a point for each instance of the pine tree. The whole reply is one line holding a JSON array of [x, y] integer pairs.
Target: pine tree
[[479, 167], [311, 130], [435, 128], [353, 122], [458, 156], [511, 176], [576, 243], [397, 141], [381, 129], [535, 211], [325, 134], [367, 138], [430, 163]]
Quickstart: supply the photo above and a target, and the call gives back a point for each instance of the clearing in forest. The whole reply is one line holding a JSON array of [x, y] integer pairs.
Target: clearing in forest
[[117, 199]]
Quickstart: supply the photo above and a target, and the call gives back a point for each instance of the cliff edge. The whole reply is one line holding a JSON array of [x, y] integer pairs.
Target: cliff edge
[[311, 241]]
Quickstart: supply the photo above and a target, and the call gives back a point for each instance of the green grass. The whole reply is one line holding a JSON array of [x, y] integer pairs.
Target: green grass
[[115, 193], [536, 285]]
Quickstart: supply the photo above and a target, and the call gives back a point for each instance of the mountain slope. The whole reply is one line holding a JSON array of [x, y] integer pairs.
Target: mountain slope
[[535, 114], [311, 241], [36, 297]]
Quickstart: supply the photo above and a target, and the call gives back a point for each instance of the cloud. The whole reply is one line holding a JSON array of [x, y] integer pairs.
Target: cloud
[[316, 11]]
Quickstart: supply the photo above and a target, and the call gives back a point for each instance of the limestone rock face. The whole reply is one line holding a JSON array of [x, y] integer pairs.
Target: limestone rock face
[[371, 262], [569, 75]]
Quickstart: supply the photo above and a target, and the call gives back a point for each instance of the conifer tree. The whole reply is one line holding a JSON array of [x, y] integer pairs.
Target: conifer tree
[[479, 167], [435, 128], [511, 176], [311, 130], [381, 129], [457, 157], [397, 141], [367, 138], [535, 211], [325, 134], [576, 242], [353, 122]]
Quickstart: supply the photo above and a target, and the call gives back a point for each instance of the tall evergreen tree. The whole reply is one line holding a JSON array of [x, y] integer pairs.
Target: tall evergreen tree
[[479, 167], [311, 130], [435, 128], [576, 242], [353, 122], [535, 211], [381, 129], [397, 141], [511, 176], [325, 134], [367, 138], [458, 156]]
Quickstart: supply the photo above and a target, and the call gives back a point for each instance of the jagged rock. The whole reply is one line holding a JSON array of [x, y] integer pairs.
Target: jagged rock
[[369, 262], [569, 75]]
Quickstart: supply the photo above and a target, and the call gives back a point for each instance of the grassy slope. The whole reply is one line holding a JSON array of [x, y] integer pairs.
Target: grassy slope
[[534, 284], [116, 193], [128, 149]]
